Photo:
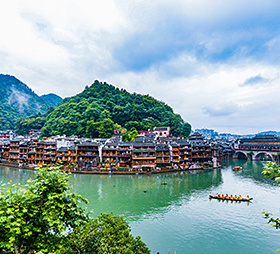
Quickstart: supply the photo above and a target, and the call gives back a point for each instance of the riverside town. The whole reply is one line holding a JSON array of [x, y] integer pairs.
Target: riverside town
[[153, 151]]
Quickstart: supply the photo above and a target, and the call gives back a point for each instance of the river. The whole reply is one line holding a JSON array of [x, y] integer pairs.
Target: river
[[173, 211]]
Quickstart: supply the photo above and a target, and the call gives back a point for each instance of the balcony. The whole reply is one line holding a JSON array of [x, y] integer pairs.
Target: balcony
[[124, 155], [88, 153], [162, 161], [91, 148], [162, 154], [202, 156], [50, 153], [109, 154], [144, 158], [13, 151]]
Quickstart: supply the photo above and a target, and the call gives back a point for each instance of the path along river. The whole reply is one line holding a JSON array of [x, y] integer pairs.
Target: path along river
[[173, 211]]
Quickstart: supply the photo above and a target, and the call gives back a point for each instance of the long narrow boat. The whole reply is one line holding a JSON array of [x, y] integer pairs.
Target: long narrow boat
[[216, 197]]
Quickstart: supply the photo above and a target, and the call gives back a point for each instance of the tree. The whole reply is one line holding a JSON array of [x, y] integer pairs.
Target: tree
[[130, 135], [272, 170], [107, 234], [106, 128], [98, 103], [186, 129], [34, 218], [104, 114], [92, 129]]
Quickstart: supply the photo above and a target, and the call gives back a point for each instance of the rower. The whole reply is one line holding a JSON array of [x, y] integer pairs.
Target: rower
[[235, 197], [223, 197], [240, 197], [248, 198], [227, 197]]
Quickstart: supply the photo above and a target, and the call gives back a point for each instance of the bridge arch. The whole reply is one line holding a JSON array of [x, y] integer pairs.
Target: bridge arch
[[240, 155], [263, 155]]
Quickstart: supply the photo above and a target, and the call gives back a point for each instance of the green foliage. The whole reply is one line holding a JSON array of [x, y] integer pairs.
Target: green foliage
[[130, 135], [104, 128], [34, 218], [272, 170], [23, 126], [51, 99], [107, 234], [101, 101], [92, 129], [186, 130]]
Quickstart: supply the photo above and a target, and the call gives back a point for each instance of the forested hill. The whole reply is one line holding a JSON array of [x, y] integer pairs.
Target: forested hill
[[17, 101], [52, 99], [100, 109]]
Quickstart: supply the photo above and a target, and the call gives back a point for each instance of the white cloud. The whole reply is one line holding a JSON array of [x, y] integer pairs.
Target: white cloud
[[209, 49], [213, 98]]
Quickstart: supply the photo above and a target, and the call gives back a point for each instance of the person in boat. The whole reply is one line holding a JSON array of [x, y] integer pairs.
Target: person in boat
[[240, 197], [222, 196], [235, 197], [248, 198], [231, 197], [227, 197]]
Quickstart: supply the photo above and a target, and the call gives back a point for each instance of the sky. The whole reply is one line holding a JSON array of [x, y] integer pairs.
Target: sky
[[216, 63]]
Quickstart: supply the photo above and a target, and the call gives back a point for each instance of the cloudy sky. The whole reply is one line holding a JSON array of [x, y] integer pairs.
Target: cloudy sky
[[215, 62]]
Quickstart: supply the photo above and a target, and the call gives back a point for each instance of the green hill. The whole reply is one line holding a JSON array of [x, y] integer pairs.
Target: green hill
[[100, 109], [51, 99], [17, 100]]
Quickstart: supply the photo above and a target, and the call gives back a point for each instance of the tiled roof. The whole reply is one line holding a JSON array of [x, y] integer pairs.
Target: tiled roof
[[62, 149]]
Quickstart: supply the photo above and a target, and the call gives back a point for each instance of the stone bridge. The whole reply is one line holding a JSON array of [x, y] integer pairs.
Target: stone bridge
[[254, 155]]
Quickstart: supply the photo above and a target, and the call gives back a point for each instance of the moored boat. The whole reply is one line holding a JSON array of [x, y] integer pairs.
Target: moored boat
[[230, 199], [237, 168]]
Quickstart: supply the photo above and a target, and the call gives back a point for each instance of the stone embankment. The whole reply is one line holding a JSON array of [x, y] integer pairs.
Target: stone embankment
[[105, 171]]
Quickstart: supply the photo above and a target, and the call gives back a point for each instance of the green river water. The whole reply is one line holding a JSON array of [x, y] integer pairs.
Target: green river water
[[173, 211]]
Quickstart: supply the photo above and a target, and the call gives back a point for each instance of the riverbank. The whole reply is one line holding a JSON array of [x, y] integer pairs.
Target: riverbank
[[114, 171]]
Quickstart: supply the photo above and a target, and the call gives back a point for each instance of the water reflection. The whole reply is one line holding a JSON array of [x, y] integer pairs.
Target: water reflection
[[15, 174], [174, 211], [250, 169], [135, 196]]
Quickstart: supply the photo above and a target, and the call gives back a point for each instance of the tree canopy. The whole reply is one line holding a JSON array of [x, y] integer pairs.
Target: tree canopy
[[130, 135], [272, 170], [101, 106], [34, 218], [45, 217], [107, 234]]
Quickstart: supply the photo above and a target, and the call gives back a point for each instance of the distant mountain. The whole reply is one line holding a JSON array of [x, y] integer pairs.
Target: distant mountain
[[52, 99], [17, 100], [269, 132]]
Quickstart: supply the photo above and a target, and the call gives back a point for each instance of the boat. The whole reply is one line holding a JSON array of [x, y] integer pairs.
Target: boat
[[237, 168], [230, 199]]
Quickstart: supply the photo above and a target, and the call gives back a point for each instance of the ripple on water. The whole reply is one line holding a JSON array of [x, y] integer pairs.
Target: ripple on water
[[179, 215]]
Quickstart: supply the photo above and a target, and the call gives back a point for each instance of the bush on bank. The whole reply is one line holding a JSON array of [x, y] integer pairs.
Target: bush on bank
[[107, 234], [36, 217]]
